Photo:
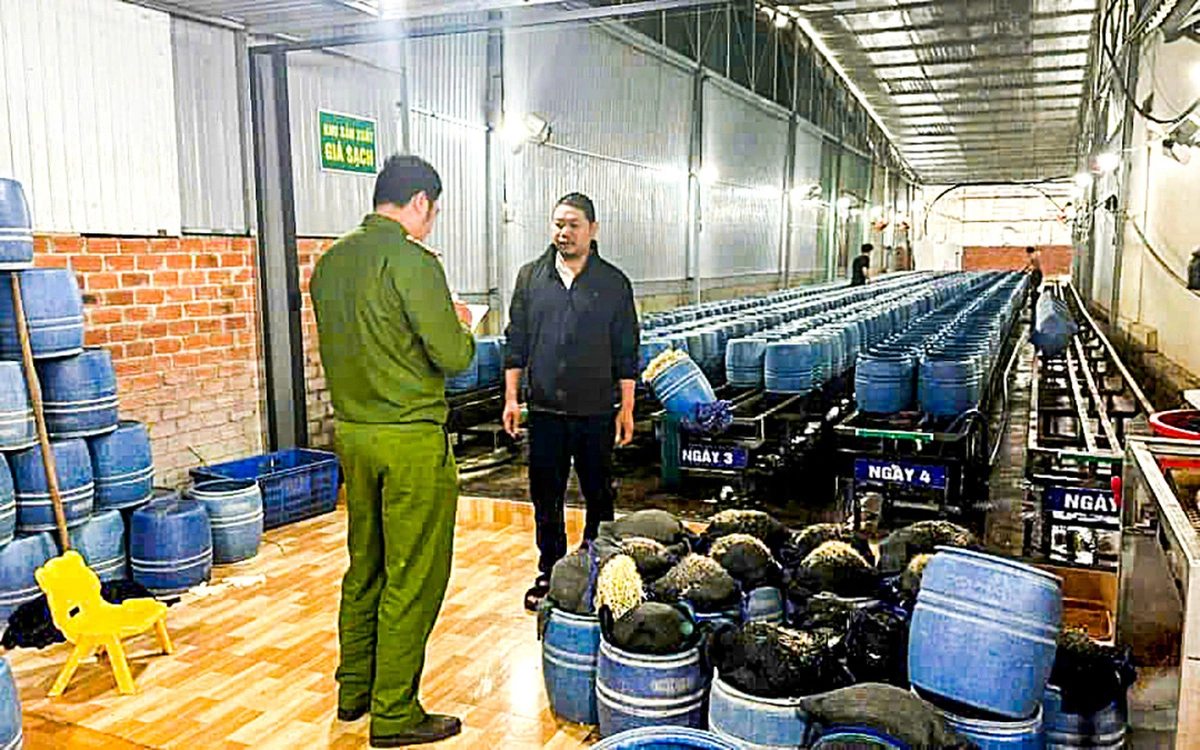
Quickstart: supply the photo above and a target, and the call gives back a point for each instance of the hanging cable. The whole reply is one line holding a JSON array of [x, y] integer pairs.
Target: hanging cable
[[1120, 78]]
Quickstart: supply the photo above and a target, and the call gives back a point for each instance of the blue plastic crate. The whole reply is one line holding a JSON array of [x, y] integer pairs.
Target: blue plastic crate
[[296, 483]]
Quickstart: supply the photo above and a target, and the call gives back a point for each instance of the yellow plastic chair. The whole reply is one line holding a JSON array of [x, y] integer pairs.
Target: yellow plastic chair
[[73, 593]]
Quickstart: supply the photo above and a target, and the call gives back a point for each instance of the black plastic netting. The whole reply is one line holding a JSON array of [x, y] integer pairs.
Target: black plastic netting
[[756, 523], [31, 625], [651, 628], [748, 560], [770, 661], [1090, 675]]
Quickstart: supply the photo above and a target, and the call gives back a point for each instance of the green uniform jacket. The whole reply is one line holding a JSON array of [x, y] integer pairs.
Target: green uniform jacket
[[387, 327]]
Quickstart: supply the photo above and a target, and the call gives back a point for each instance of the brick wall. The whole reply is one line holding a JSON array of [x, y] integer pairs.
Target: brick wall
[[178, 316], [1056, 259], [320, 408]]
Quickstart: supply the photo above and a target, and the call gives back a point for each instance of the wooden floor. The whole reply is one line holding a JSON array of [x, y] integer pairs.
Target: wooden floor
[[254, 663]]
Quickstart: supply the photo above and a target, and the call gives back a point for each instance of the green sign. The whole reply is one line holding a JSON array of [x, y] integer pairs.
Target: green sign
[[347, 143]]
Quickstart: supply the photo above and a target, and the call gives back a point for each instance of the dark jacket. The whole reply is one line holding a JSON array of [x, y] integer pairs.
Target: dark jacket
[[574, 344]]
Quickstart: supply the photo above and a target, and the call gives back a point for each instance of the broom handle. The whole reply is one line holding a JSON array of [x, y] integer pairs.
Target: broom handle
[[35, 396]]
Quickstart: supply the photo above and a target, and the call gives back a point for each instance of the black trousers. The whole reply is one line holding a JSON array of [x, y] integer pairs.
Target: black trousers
[[554, 441]]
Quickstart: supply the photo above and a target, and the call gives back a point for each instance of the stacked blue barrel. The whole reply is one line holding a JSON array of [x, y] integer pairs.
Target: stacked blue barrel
[[104, 466], [486, 369]]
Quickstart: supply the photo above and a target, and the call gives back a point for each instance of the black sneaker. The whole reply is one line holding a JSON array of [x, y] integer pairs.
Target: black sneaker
[[435, 728], [535, 595]]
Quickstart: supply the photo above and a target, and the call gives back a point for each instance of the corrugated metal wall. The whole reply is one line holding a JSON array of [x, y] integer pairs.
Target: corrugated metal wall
[[331, 203], [808, 211], [744, 152], [620, 120], [89, 126], [210, 135], [447, 85]]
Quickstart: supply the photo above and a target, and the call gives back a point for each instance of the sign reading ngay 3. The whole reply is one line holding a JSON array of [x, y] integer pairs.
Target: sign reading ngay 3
[[347, 143]]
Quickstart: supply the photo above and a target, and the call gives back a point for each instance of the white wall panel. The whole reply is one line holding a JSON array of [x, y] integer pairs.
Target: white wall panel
[[807, 216], [332, 203], [210, 128], [89, 122], [620, 118], [744, 152]]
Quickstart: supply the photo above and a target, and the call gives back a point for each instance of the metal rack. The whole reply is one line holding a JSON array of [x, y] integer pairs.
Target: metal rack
[[1083, 405], [1158, 611]]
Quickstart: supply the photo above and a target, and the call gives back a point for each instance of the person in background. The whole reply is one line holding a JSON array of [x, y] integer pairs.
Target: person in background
[[573, 329], [389, 334], [858, 269], [1034, 269]]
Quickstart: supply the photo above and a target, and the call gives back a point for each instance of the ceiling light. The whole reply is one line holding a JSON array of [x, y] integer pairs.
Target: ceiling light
[[1108, 161]]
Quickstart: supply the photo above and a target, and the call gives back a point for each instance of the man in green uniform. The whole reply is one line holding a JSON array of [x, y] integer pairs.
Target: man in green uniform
[[389, 335]]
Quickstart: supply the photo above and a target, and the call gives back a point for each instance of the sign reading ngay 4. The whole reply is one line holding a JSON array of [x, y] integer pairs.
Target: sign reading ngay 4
[[347, 143]]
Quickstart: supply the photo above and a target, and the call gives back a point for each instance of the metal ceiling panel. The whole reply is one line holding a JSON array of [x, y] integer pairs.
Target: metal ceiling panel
[[966, 86]]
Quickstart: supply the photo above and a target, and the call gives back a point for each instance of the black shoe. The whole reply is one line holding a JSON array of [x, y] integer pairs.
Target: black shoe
[[535, 595], [435, 728], [352, 714]]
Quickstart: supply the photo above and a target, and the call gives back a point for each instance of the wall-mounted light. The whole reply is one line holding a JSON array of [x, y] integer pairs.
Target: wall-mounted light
[[1083, 181], [1107, 162], [1177, 151], [708, 174], [781, 21], [844, 203], [516, 131]]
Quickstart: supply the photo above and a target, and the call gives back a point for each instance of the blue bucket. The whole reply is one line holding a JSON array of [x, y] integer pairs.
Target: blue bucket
[[948, 385], [641, 690], [16, 228], [235, 513], [682, 387], [79, 394], [1001, 617], [744, 358], [790, 366], [101, 541], [123, 467], [467, 380], [8, 505], [748, 721], [17, 427], [35, 512], [170, 547], [1103, 730], [18, 561], [10, 710], [1021, 734], [665, 738], [570, 649], [885, 383], [53, 308], [489, 350]]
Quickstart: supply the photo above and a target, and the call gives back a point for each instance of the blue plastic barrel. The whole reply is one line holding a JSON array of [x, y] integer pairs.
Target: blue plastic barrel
[[1000, 616], [859, 738], [682, 387], [1103, 730], [641, 690], [235, 514], [35, 512], [489, 351], [79, 394], [570, 649], [763, 604], [101, 541], [648, 350], [8, 505], [16, 228], [788, 366], [744, 359], [10, 710], [17, 427], [885, 383], [948, 385], [665, 738], [123, 467], [170, 548], [467, 380], [54, 309], [987, 734], [752, 722], [18, 560]]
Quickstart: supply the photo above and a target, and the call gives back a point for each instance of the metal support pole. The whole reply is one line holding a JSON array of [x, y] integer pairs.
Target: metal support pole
[[495, 171], [695, 162], [1131, 76], [278, 264], [789, 184]]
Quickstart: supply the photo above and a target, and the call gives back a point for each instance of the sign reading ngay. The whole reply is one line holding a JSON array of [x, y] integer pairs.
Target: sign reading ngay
[[347, 143]]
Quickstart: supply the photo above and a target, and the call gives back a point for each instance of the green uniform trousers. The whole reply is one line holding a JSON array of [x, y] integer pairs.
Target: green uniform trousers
[[401, 497]]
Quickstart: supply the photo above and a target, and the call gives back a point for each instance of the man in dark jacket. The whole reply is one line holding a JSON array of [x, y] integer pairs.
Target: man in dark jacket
[[573, 330], [1034, 269]]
